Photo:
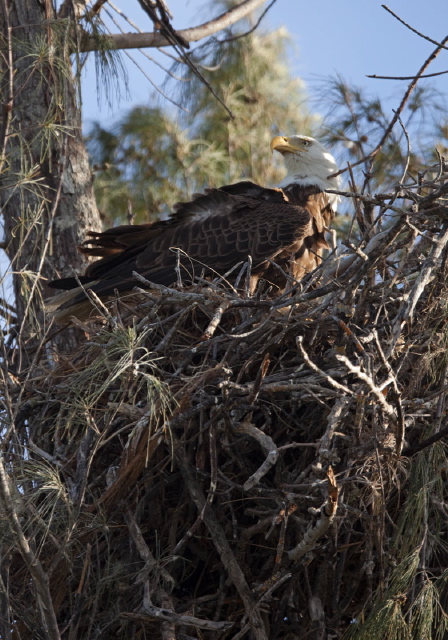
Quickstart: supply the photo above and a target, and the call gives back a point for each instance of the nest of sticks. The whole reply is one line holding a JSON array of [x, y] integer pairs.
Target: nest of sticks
[[213, 465]]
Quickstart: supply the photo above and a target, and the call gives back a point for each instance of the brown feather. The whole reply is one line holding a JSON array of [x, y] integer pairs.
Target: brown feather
[[213, 232]]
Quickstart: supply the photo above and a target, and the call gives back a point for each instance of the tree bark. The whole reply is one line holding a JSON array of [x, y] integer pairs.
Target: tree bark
[[47, 197]]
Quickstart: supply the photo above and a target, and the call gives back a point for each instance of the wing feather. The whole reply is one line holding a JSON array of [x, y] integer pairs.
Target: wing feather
[[215, 231]]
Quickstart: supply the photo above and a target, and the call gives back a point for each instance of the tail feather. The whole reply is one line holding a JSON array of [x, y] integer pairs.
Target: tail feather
[[69, 283]]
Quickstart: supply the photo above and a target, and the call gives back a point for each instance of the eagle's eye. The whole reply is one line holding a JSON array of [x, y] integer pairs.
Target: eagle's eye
[[306, 143]]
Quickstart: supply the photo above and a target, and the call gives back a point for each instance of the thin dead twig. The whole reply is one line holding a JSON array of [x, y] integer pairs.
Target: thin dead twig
[[268, 446], [374, 389], [425, 75], [339, 408], [145, 553], [408, 26], [327, 515], [150, 612], [401, 106], [337, 385]]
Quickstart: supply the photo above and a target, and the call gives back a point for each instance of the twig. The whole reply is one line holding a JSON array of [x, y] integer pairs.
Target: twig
[[408, 26], [176, 294], [256, 25], [156, 39], [328, 378], [151, 564], [338, 410], [150, 612], [425, 75], [411, 451], [327, 515], [171, 333], [214, 322], [377, 391], [401, 426], [408, 155], [261, 374], [268, 446], [406, 96]]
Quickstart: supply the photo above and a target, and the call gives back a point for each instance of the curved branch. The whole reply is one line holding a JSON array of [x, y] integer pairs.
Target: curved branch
[[155, 39]]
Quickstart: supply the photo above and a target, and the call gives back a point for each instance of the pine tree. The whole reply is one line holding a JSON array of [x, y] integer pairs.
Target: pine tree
[[154, 158]]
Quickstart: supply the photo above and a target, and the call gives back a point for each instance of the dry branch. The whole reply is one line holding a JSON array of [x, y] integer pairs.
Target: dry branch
[[268, 446], [327, 515], [194, 34]]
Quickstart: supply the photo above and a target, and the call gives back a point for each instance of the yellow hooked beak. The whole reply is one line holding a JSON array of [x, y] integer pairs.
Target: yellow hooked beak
[[283, 144]]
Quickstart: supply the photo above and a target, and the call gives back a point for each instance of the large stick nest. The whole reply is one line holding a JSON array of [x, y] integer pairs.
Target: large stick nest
[[214, 465]]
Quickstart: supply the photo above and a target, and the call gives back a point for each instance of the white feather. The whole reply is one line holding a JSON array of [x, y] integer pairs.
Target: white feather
[[312, 166]]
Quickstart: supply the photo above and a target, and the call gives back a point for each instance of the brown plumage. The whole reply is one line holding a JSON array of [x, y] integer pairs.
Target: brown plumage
[[207, 237]]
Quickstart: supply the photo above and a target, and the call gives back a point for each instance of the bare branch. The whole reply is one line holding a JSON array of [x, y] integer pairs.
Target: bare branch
[[150, 612], [327, 515], [268, 446], [426, 75], [252, 29], [408, 26], [144, 40], [401, 106], [411, 451], [407, 95]]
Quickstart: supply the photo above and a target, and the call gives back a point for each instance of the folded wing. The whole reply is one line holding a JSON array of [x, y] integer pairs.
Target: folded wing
[[209, 236]]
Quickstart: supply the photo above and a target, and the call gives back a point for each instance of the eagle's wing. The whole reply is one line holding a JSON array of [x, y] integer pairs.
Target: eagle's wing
[[213, 232]]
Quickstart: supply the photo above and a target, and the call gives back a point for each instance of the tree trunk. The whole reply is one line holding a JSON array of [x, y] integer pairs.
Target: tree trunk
[[47, 196]]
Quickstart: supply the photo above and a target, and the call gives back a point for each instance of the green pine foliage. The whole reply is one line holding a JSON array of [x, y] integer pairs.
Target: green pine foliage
[[152, 159], [253, 79]]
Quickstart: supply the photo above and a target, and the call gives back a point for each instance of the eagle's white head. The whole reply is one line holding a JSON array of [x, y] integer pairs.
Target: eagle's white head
[[307, 162]]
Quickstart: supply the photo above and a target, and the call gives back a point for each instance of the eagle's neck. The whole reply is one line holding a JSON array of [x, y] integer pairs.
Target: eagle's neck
[[306, 171]]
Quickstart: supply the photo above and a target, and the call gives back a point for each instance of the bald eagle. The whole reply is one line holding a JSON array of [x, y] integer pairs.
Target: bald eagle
[[282, 230]]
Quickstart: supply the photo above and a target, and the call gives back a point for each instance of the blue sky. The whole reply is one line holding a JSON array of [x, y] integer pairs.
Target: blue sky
[[347, 37]]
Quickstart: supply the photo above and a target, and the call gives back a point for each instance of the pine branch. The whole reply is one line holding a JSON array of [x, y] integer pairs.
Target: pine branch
[[156, 39]]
